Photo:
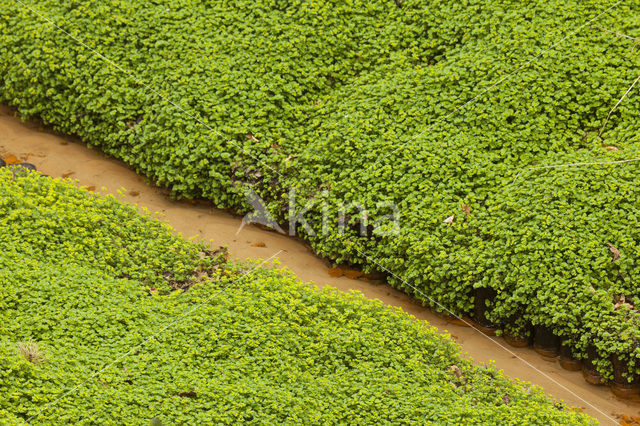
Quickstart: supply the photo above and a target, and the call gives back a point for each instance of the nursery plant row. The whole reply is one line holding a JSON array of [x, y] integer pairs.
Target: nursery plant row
[[108, 317], [489, 125]]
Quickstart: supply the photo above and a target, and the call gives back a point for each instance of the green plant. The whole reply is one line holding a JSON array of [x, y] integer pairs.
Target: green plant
[[431, 106], [246, 345]]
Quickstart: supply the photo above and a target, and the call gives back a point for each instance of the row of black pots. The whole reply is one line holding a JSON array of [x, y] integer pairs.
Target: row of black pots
[[550, 346], [620, 385]]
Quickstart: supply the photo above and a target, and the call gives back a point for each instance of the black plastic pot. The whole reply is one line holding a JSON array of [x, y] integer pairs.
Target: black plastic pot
[[463, 321], [567, 360], [620, 386], [589, 371], [28, 166], [481, 296], [545, 342], [516, 341]]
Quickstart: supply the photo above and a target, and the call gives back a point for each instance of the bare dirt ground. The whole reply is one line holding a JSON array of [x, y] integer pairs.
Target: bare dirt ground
[[63, 156]]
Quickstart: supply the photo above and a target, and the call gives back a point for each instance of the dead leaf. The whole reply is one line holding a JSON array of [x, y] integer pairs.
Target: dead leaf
[[615, 251], [622, 301], [610, 148], [91, 188], [450, 219], [258, 244], [336, 272], [134, 193], [11, 159], [455, 370], [627, 420], [66, 175], [466, 209], [253, 138]]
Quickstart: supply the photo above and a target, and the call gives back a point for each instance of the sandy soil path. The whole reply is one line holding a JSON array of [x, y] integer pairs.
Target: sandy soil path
[[64, 156]]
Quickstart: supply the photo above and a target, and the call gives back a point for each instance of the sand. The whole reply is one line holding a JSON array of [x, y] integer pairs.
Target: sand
[[65, 156]]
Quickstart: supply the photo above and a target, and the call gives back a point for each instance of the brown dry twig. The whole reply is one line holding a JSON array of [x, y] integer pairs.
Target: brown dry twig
[[615, 251], [636, 39]]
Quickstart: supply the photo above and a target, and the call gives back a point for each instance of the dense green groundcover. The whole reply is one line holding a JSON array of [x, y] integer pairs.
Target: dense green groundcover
[[91, 282], [436, 106]]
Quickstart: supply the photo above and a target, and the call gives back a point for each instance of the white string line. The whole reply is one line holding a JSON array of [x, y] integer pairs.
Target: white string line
[[492, 340], [139, 81], [553, 166], [171, 324], [616, 106], [215, 131], [508, 76], [599, 133], [437, 303]]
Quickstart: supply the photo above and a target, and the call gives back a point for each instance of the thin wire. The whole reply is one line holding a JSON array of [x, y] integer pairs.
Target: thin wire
[[514, 43], [260, 162], [492, 340], [124, 355], [616, 106], [553, 166], [139, 81], [488, 89]]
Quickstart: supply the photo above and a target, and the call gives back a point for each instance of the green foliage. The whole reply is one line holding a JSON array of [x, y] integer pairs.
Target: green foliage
[[56, 223], [245, 345], [430, 105]]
